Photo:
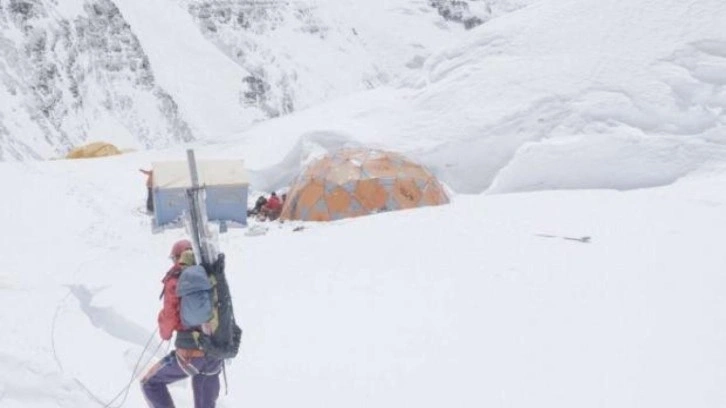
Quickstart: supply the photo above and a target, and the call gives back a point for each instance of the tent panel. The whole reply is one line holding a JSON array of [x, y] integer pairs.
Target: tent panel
[[371, 194], [169, 204], [227, 203], [407, 193], [343, 173], [414, 171], [382, 167], [338, 201], [310, 194], [318, 212], [319, 168], [175, 174], [223, 203], [432, 195]]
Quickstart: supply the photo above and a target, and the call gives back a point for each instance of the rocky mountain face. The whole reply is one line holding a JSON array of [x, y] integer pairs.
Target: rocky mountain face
[[74, 71], [64, 80], [282, 78], [243, 31]]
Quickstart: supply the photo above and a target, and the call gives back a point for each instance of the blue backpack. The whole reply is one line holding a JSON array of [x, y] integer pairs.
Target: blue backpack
[[206, 308], [194, 288]]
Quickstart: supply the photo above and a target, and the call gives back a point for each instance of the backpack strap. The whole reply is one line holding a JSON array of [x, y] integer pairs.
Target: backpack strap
[[172, 272], [224, 375]]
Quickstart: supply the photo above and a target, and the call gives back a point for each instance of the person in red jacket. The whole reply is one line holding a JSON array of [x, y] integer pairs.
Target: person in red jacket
[[187, 359], [273, 208], [169, 319]]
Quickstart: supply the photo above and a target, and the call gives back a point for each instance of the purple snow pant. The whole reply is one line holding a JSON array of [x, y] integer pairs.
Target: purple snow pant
[[205, 380]]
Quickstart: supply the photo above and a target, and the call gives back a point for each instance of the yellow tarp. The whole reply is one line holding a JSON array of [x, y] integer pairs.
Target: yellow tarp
[[91, 150]]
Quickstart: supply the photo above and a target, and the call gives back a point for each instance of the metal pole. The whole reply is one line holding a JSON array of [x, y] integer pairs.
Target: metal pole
[[195, 213], [204, 242], [193, 168]]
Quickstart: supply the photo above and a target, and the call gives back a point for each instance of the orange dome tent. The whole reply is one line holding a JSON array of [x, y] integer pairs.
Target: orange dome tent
[[354, 182], [91, 150]]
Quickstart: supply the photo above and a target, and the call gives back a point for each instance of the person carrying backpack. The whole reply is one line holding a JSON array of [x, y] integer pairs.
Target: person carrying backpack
[[188, 359]]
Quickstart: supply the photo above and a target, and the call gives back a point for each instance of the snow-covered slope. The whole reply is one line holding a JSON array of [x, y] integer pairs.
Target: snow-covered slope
[[203, 80], [493, 300], [607, 292], [552, 82]]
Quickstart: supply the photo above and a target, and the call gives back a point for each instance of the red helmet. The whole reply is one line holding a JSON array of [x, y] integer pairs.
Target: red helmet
[[179, 247]]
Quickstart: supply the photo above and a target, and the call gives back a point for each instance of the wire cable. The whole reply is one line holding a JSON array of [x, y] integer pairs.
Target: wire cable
[[134, 375]]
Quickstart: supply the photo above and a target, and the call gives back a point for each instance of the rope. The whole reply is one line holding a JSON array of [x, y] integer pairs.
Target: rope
[[224, 374], [134, 375]]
